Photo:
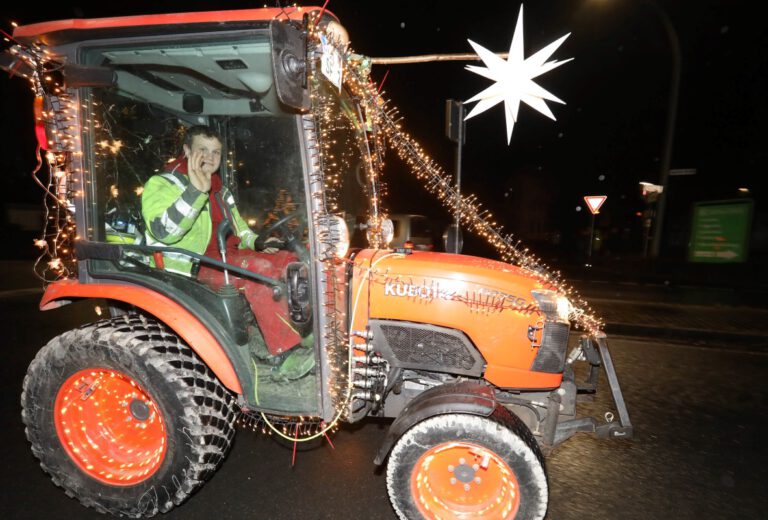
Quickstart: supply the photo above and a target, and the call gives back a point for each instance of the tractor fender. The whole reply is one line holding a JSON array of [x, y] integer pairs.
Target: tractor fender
[[176, 317], [468, 397]]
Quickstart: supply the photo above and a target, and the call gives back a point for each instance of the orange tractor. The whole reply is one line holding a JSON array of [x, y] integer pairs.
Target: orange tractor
[[132, 414]]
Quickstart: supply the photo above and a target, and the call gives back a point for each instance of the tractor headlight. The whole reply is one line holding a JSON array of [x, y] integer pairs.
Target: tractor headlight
[[555, 306], [380, 231], [563, 308]]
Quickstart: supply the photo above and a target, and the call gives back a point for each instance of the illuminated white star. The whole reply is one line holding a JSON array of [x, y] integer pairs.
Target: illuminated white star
[[514, 78]]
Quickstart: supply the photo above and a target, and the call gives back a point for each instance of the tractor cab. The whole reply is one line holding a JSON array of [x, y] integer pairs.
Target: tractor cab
[[295, 158]]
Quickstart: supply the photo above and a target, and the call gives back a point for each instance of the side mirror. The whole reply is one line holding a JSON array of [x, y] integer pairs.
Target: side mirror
[[289, 64], [299, 307]]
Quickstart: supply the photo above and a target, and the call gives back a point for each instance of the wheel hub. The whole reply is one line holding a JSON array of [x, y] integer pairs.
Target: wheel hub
[[110, 426], [464, 473], [139, 410]]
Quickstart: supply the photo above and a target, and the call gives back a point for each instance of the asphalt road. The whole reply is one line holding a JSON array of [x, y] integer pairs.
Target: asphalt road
[[699, 451]]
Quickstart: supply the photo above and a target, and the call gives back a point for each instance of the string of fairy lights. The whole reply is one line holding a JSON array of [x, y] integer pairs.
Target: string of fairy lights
[[55, 111], [474, 217]]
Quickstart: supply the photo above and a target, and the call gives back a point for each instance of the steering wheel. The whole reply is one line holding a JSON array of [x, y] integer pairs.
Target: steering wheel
[[291, 237]]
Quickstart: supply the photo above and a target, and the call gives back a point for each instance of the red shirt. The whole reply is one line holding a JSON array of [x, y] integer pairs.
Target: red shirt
[[180, 165]]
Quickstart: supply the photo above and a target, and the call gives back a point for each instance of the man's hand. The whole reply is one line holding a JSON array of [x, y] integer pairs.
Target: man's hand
[[272, 245], [197, 176]]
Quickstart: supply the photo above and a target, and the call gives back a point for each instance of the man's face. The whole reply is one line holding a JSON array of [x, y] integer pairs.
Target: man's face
[[208, 149]]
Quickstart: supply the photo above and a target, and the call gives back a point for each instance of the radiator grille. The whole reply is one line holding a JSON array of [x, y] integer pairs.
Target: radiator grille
[[428, 347]]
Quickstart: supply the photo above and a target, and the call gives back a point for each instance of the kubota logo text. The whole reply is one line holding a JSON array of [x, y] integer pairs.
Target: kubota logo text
[[427, 292]]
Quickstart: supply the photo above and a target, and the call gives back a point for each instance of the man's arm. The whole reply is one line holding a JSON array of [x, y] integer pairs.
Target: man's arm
[[170, 207], [246, 235]]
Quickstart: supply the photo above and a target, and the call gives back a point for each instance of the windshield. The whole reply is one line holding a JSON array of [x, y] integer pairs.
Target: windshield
[[139, 125], [264, 165]]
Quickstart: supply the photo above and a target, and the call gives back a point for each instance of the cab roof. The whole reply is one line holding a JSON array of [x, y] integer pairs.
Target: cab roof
[[67, 31]]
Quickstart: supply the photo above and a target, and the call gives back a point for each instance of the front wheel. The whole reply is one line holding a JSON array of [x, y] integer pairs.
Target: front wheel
[[125, 417], [467, 466]]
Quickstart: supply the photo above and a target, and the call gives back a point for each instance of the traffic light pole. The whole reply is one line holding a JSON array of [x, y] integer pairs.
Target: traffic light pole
[[459, 148], [666, 158], [455, 129]]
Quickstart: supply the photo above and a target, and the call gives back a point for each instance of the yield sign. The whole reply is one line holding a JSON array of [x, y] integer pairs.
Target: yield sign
[[594, 202]]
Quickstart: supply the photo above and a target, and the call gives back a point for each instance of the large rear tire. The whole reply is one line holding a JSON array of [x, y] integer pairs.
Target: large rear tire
[[467, 466], [125, 417]]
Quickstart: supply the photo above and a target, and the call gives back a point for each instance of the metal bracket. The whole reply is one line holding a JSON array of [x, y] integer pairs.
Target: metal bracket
[[624, 429], [611, 429], [593, 357]]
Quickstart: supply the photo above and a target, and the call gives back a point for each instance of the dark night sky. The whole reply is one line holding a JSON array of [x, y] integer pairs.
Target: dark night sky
[[616, 90]]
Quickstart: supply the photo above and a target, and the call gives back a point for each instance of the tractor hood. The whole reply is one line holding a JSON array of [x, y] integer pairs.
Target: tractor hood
[[480, 283], [495, 304]]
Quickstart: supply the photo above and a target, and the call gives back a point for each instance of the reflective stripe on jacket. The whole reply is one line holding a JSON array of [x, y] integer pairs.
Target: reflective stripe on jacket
[[177, 214]]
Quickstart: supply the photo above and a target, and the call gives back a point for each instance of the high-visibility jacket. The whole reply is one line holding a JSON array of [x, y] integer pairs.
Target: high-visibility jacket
[[178, 214]]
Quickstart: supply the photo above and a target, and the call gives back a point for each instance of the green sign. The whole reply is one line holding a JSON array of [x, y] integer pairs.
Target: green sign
[[720, 231]]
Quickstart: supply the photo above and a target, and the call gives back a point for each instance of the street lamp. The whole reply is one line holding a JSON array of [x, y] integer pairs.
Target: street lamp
[[666, 156]]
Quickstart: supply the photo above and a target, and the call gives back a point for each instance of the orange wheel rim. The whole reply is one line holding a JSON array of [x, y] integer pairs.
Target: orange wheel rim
[[110, 426], [464, 480]]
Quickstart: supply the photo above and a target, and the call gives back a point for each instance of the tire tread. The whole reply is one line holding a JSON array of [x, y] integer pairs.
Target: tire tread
[[209, 413]]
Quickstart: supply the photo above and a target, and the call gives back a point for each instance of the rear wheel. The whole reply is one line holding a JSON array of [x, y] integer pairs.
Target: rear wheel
[[466, 466], [125, 417]]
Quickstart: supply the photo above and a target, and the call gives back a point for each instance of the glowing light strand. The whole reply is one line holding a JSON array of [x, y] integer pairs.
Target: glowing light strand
[[58, 236], [436, 181]]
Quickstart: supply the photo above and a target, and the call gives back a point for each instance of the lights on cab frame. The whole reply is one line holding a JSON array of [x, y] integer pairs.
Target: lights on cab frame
[[387, 231], [339, 234]]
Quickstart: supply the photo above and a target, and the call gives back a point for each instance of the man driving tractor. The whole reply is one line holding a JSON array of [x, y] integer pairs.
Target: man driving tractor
[[185, 206], [180, 206]]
